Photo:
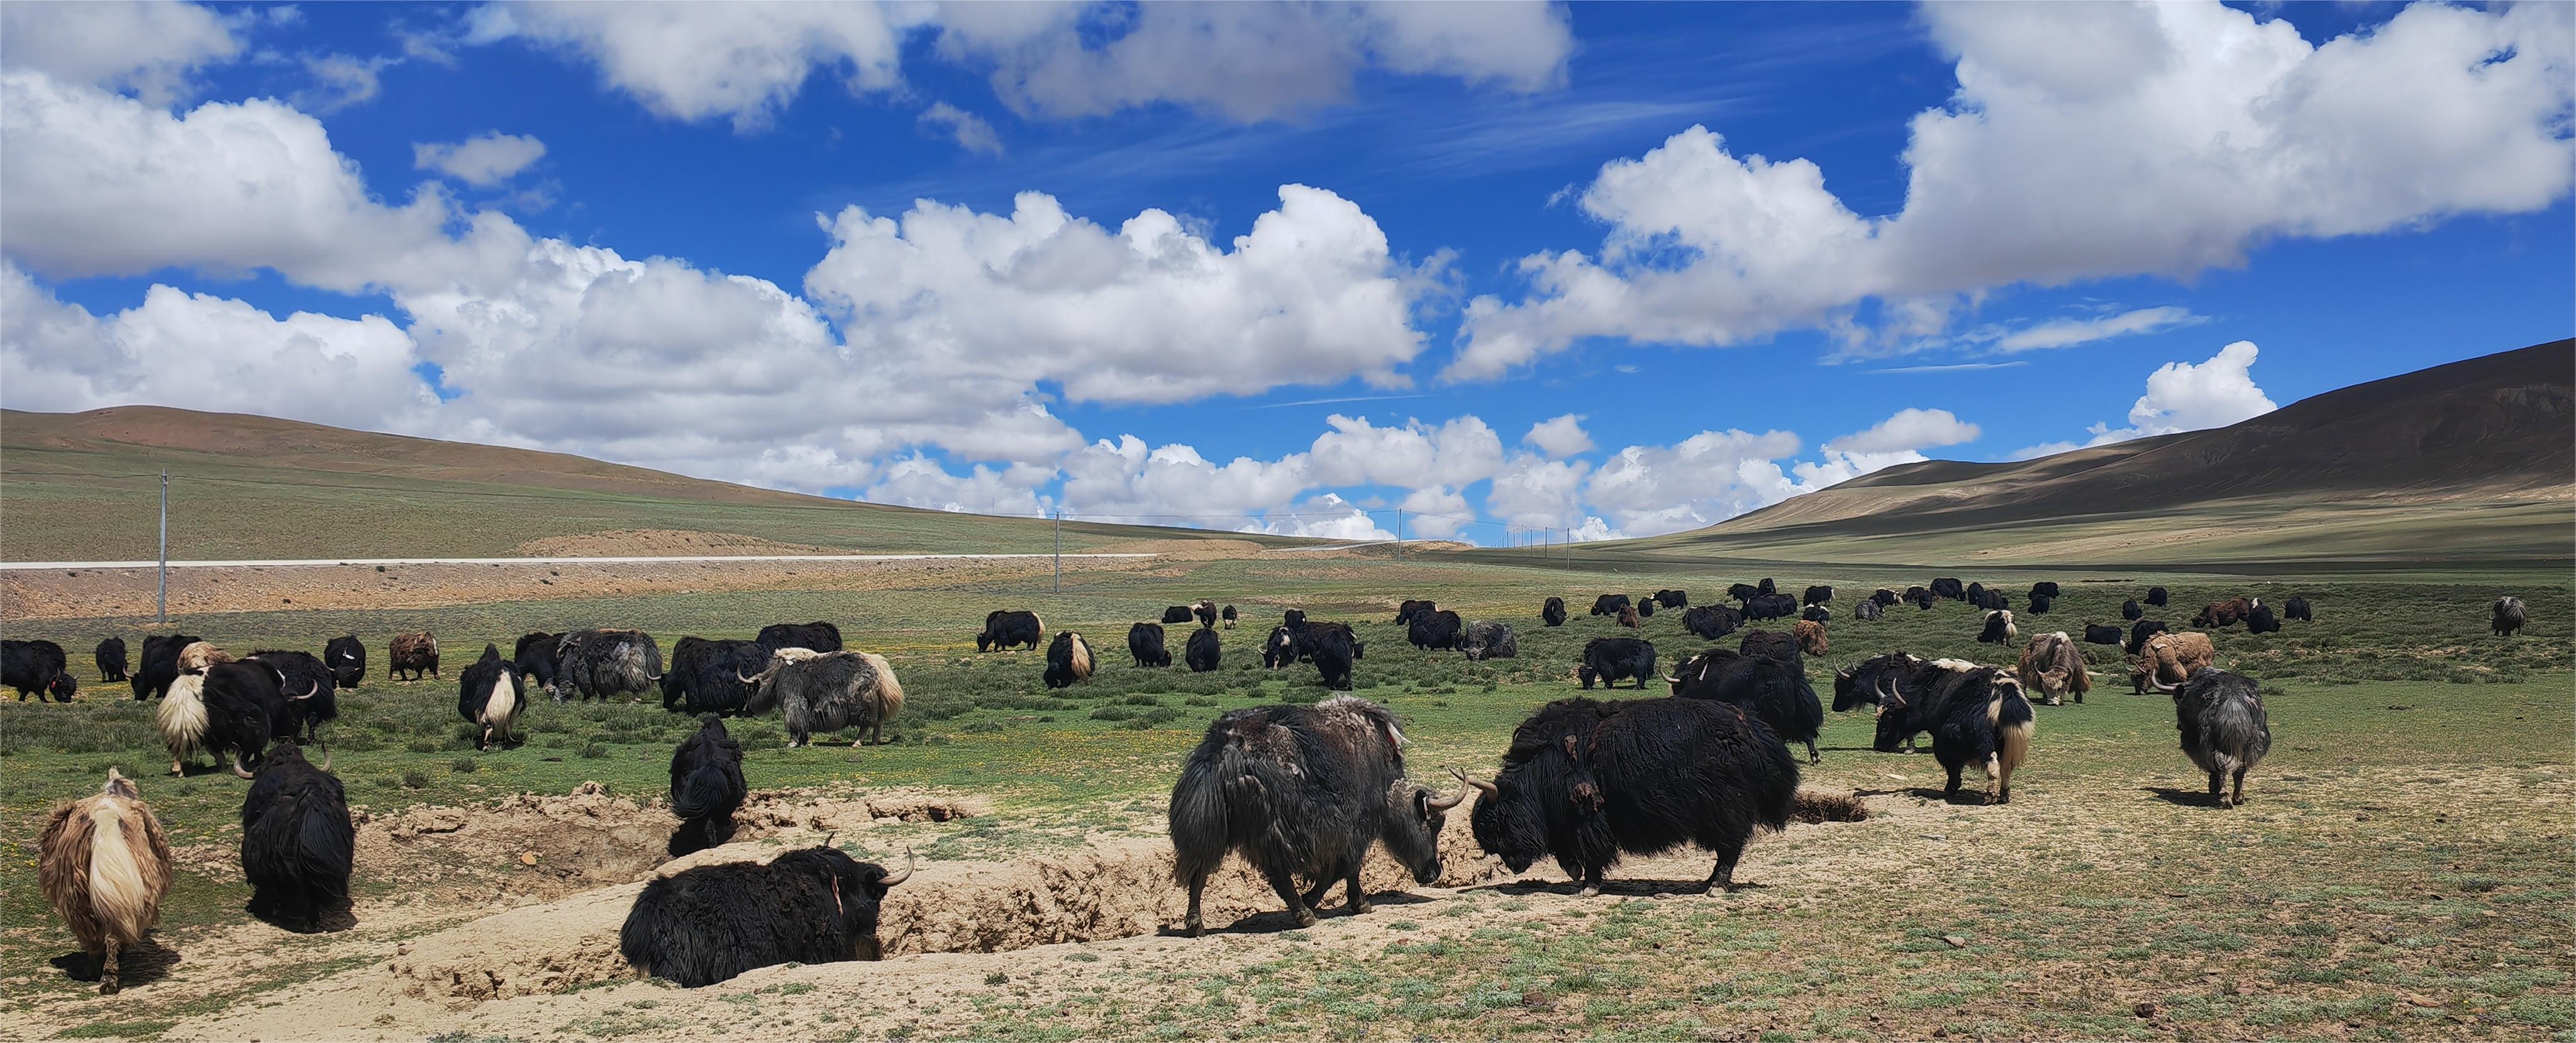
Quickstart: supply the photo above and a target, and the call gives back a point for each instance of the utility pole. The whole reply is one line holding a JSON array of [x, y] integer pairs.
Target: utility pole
[[1059, 550], [1399, 534], [161, 611]]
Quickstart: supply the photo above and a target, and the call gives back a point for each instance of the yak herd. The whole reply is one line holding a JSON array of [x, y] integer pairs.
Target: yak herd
[[1300, 792]]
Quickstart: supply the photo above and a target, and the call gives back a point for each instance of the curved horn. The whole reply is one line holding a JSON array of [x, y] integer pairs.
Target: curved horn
[[312, 687], [1485, 788], [1448, 802], [237, 768], [893, 879], [2160, 686], [326, 753]]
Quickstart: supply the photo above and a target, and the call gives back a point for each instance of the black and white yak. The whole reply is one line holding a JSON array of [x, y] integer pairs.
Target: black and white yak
[[1977, 715], [1999, 628], [2507, 616], [705, 675], [605, 664], [348, 659], [228, 711], [1068, 660], [706, 787], [828, 691], [490, 695], [704, 925]]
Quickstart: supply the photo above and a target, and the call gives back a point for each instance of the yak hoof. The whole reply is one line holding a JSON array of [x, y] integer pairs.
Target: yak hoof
[[1588, 891], [1360, 905], [1305, 917]]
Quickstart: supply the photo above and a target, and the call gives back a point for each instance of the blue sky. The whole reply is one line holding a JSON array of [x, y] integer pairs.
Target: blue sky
[[1725, 253]]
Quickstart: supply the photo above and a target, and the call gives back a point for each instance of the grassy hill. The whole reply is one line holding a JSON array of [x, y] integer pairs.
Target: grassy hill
[[85, 486], [2471, 462]]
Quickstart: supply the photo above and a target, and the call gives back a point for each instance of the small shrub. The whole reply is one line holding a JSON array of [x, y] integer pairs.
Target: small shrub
[[593, 751], [464, 765], [415, 779]]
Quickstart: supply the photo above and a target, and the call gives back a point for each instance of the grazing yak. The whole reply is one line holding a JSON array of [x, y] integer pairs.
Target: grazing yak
[[2223, 728], [1587, 781], [1871, 682], [1991, 600], [1977, 716], [1229, 615], [1005, 629], [110, 657], [706, 787], [2262, 621], [1203, 650], [414, 653], [2299, 609], [297, 844], [37, 668], [1177, 614], [1334, 649], [159, 664], [1771, 644], [535, 658], [1491, 641], [1999, 628], [2140, 631], [1646, 607], [2168, 660], [2041, 603], [1673, 598], [1405, 612], [104, 866], [1204, 611], [1280, 648], [1303, 792], [312, 698], [200, 656], [1145, 645], [2101, 634], [829, 691], [1766, 586], [819, 636], [704, 675], [1869, 611], [2225, 613], [704, 925], [2052, 666], [1818, 595], [1711, 621], [228, 711], [1436, 630], [1628, 617], [490, 695], [1068, 660], [1609, 604], [1774, 690], [1884, 597], [1921, 597], [2044, 589], [1610, 660], [1816, 614], [1552, 613], [604, 664], [1770, 606], [1810, 635], [2156, 596], [2131, 611], [1743, 591], [2507, 616], [348, 659], [1947, 588]]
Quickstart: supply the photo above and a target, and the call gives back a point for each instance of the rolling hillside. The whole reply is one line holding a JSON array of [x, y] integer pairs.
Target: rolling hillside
[[85, 486], [2469, 462]]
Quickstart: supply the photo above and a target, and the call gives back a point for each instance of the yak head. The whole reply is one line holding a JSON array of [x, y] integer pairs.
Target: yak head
[[1507, 824], [984, 641], [62, 687], [1895, 723], [1415, 815], [858, 890]]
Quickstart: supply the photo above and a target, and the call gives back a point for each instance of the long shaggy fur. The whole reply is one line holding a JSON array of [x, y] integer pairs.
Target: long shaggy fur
[[1999, 628], [298, 845], [2167, 660], [181, 720], [414, 653], [1810, 635], [1490, 640], [706, 787], [1145, 645], [2507, 616], [490, 695], [104, 865], [1552, 612], [37, 668], [818, 635], [2052, 666], [1204, 650], [1711, 621], [1977, 715], [706, 676], [1005, 629], [704, 925], [200, 655], [111, 660], [245, 708], [829, 691], [535, 658], [348, 660], [159, 663], [1610, 660], [1068, 660], [605, 664], [1774, 689], [312, 694], [2224, 730]]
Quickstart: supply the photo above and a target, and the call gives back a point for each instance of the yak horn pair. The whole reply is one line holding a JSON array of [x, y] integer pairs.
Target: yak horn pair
[[1485, 788]]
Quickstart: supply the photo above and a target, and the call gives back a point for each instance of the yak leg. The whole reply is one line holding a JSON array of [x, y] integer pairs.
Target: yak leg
[[1722, 878], [1998, 780], [1359, 901], [2218, 788], [1286, 885], [1952, 789], [1198, 885], [108, 982], [2240, 785], [1812, 756]]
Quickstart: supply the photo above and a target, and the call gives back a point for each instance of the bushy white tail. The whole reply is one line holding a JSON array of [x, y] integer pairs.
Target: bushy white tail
[[181, 717], [124, 904]]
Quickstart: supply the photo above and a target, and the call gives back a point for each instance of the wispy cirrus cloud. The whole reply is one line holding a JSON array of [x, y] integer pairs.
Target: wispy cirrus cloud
[[2067, 333]]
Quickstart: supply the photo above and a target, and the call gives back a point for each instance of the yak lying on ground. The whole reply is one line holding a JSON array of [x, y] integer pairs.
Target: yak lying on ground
[[1977, 716], [1673, 598], [2223, 728], [1303, 792], [490, 696], [1486, 640], [110, 657], [1610, 660], [1068, 660], [535, 659], [2167, 661], [159, 664], [348, 660], [2262, 621], [2225, 613], [1711, 621], [1947, 588], [2101, 634], [705, 676], [1436, 629], [1818, 595], [1005, 629], [819, 636], [1405, 612], [297, 844], [312, 699], [2299, 609], [605, 664], [2044, 589], [1816, 614], [1588, 781], [706, 787], [1203, 650], [1992, 599], [1921, 597], [2052, 666], [829, 691], [1774, 690], [1177, 614], [37, 668], [414, 653], [1553, 612], [2507, 616], [1999, 628], [1770, 606], [104, 866], [2140, 631], [1145, 645], [1609, 604], [2156, 596], [704, 925], [1869, 611], [2131, 611]]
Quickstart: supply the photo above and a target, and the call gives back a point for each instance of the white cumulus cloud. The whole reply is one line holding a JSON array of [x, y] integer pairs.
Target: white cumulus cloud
[[1559, 437], [2182, 396], [148, 47], [484, 160]]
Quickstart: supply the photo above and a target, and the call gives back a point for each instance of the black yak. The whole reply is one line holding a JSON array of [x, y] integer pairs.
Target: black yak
[[1673, 598], [490, 695], [1817, 596], [1229, 615], [1280, 649], [1999, 628], [2044, 589], [1609, 604], [706, 676], [1552, 613], [701, 926], [1993, 599], [1770, 606], [2156, 596], [818, 636], [1610, 660], [104, 865], [1977, 716], [1816, 614], [535, 659], [2223, 728], [1145, 645], [38, 668], [1334, 649], [414, 653], [1303, 792], [1487, 640], [2041, 603], [1766, 586], [1947, 588], [1920, 597], [1774, 690], [706, 787], [829, 691], [2101, 634], [1977, 594], [110, 657], [348, 660], [159, 664], [2262, 621], [1436, 630], [1005, 629], [312, 698], [1203, 650], [2299, 609], [2131, 611], [1711, 621], [1743, 591], [1772, 644], [1587, 781], [297, 845], [1870, 682], [228, 711], [1177, 614], [1068, 660], [605, 664], [2507, 616], [2140, 631], [1204, 611], [1646, 607], [1405, 612]]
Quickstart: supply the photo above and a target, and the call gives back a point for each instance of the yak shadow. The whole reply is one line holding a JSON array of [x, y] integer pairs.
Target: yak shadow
[[1631, 887], [2190, 798], [331, 919], [1277, 921], [1970, 794], [140, 964]]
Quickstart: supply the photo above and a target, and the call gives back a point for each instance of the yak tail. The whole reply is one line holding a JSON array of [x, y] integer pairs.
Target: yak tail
[[2009, 711], [502, 710], [889, 690], [121, 896], [181, 717], [1202, 823], [704, 792]]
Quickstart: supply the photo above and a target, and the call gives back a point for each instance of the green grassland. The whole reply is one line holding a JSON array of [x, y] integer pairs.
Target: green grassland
[[2401, 871]]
